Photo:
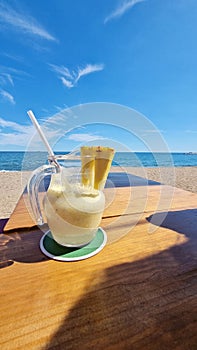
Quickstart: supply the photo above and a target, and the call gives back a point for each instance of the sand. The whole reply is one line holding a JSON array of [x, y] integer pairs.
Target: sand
[[12, 184]]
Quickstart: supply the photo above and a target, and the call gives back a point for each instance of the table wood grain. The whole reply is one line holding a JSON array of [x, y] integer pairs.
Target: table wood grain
[[139, 292]]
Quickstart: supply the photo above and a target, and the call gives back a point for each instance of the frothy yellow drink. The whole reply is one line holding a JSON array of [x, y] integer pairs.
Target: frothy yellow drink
[[74, 208], [73, 211]]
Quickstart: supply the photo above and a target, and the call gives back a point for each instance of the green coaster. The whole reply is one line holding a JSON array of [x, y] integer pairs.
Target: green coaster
[[58, 252]]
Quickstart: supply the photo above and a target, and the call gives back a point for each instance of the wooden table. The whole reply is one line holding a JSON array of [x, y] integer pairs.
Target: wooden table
[[139, 292]]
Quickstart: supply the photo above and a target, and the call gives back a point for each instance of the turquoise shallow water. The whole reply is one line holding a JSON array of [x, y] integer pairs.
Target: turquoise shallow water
[[17, 161]]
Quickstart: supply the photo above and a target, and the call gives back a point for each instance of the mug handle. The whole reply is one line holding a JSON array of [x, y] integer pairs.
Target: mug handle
[[33, 190]]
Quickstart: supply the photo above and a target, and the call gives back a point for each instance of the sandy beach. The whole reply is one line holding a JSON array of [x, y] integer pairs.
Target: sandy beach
[[12, 184]]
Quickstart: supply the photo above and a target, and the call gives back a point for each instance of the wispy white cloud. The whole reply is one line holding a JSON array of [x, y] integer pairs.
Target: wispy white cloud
[[10, 70], [10, 79], [84, 137], [123, 7], [67, 82], [16, 139], [5, 77], [70, 79], [7, 96], [14, 133], [61, 70], [60, 108], [15, 126], [64, 74], [12, 57], [191, 131], [90, 68], [23, 22]]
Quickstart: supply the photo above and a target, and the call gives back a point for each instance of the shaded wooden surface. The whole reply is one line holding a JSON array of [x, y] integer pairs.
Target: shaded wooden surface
[[138, 293]]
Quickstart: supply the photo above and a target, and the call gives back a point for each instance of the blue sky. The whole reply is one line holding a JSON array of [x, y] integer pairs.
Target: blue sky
[[137, 53]]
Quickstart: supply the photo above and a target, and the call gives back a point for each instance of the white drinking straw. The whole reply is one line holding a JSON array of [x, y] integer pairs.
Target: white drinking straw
[[43, 137]]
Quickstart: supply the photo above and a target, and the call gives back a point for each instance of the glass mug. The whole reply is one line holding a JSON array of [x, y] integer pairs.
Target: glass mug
[[71, 206]]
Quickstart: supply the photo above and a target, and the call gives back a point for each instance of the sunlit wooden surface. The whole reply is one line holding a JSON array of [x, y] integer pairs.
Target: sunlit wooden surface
[[139, 292]]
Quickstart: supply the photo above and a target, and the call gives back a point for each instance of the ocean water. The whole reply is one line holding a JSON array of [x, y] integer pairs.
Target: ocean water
[[17, 161]]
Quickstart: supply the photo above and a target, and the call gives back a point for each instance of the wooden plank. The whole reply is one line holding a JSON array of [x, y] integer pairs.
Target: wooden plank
[[22, 215], [138, 293], [119, 201]]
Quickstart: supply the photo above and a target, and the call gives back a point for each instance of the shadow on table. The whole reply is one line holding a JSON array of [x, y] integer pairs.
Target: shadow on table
[[121, 179], [115, 179], [22, 246], [146, 304], [183, 222]]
